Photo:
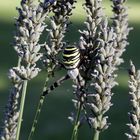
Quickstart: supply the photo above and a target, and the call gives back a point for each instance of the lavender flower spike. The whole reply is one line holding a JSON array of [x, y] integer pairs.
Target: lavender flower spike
[[134, 115]]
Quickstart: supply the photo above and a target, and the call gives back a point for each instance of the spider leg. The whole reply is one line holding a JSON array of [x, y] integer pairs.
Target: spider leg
[[55, 85]]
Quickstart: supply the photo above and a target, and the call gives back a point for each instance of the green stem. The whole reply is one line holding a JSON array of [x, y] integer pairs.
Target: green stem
[[96, 135], [21, 109], [97, 132], [19, 61], [39, 107], [76, 124], [38, 111]]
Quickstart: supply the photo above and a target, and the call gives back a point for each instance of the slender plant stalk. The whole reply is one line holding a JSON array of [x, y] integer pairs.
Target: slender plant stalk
[[39, 107], [76, 124], [21, 108], [19, 61], [38, 111], [96, 135], [97, 132]]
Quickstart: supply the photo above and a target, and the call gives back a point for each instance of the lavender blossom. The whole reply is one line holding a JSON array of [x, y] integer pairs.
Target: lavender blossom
[[11, 115], [30, 26], [103, 79], [94, 17], [121, 27], [88, 46], [134, 115], [62, 11]]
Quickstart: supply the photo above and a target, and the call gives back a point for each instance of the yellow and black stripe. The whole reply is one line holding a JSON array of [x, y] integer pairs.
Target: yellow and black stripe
[[71, 57]]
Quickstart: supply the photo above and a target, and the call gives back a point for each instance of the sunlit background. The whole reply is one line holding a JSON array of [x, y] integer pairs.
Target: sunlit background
[[53, 123]]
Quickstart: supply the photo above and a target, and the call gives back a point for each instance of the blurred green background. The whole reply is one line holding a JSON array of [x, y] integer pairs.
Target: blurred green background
[[53, 123]]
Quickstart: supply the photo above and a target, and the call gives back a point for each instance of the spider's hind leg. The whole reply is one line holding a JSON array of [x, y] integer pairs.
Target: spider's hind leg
[[55, 85]]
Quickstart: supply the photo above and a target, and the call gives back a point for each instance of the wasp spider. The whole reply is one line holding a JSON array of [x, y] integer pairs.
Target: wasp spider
[[71, 61]]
